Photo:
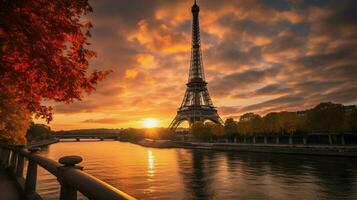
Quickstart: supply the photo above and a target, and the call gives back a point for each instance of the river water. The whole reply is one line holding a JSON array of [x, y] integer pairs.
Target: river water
[[149, 173]]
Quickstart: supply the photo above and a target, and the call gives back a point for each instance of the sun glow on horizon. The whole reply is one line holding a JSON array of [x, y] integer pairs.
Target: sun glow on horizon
[[150, 122]]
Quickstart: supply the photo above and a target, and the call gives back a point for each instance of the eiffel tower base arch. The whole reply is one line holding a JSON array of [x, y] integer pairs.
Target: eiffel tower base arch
[[192, 116]]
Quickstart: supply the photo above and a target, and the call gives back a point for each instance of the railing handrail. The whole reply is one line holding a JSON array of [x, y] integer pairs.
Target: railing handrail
[[46, 163], [92, 187], [70, 176]]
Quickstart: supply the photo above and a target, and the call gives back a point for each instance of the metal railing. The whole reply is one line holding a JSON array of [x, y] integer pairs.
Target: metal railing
[[70, 176]]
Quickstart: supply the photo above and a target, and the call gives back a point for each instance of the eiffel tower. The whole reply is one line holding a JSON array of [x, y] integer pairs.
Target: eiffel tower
[[197, 104]]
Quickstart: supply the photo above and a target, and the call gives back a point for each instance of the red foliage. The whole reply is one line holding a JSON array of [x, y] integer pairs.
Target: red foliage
[[43, 53]]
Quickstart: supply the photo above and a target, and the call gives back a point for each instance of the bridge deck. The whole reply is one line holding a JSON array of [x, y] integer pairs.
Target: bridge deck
[[8, 189]]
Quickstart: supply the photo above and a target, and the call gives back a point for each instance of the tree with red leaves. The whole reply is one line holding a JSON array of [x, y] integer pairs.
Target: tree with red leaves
[[43, 54]]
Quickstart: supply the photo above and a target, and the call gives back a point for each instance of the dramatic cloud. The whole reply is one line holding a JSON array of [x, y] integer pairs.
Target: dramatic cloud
[[259, 56]]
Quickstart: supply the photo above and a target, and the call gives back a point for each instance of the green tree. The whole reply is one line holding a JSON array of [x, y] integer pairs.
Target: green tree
[[38, 132], [326, 118], [216, 130], [250, 123], [200, 131], [288, 121], [257, 125], [302, 126], [351, 120], [230, 128], [271, 123]]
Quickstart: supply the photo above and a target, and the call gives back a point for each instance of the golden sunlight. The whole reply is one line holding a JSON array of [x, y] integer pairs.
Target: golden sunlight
[[150, 123]]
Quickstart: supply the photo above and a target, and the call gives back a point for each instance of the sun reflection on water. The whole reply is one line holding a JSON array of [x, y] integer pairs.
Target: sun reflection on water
[[151, 163]]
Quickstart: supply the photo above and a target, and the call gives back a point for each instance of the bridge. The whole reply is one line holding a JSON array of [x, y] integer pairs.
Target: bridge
[[79, 136], [71, 177]]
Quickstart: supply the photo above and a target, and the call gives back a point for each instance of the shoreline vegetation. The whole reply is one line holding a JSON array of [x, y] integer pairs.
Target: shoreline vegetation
[[39, 135]]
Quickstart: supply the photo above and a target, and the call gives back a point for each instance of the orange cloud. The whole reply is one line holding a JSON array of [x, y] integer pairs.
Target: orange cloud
[[161, 39], [131, 73]]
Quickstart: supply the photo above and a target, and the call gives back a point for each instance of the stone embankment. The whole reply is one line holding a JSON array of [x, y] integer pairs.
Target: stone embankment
[[327, 150]]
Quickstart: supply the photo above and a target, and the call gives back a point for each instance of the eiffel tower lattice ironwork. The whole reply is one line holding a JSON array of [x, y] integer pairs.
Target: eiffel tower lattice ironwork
[[197, 104]]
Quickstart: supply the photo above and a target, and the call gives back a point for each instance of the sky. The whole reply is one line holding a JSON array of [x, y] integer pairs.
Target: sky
[[259, 56]]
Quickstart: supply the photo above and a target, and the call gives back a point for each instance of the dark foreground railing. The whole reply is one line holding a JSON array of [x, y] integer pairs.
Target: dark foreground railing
[[70, 176]]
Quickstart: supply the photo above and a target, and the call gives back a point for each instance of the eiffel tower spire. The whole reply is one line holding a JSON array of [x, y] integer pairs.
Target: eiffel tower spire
[[197, 104], [196, 66]]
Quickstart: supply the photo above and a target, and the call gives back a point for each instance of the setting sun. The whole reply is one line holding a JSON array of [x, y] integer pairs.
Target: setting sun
[[150, 123]]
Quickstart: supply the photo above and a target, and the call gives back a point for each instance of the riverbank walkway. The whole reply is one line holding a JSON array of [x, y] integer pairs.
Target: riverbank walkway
[[8, 189]]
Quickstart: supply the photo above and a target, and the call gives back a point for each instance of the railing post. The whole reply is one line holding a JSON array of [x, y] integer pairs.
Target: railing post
[[69, 162], [304, 140], [265, 140], [253, 139], [13, 159], [31, 176], [5, 156], [20, 162], [290, 140], [277, 140], [342, 139], [1, 154]]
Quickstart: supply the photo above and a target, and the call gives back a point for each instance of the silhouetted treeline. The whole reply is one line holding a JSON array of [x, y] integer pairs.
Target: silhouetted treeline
[[133, 134], [325, 118], [90, 131], [136, 134], [37, 132]]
